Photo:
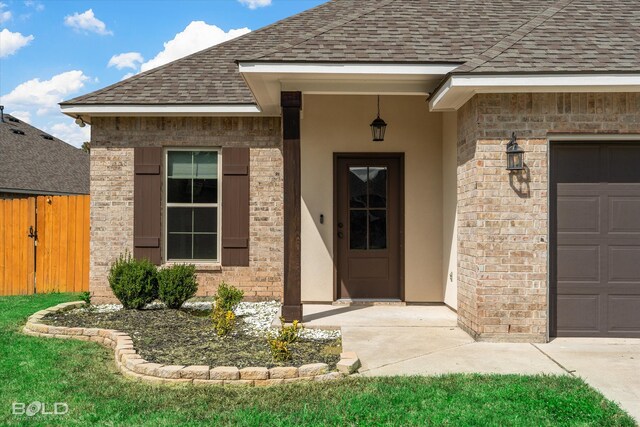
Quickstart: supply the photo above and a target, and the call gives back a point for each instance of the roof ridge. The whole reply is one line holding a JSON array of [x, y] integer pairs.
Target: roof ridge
[[508, 41], [328, 27]]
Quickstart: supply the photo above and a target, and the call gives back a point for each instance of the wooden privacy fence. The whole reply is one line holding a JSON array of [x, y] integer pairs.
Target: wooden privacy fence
[[44, 245]]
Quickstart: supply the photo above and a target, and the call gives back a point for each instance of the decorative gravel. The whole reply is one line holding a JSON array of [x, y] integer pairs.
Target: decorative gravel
[[186, 336]]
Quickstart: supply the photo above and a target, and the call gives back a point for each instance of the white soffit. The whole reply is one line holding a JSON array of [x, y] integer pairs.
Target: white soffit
[[97, 110], [268, 79], [458, 89]]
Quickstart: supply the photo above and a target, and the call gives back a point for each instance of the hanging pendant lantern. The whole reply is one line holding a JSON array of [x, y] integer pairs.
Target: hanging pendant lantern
[[378, 126]]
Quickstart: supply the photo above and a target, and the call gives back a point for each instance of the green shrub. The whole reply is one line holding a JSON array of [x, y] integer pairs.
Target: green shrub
[[279, 343], [226, 299], [86, 297], [134, 282], [176, 284]]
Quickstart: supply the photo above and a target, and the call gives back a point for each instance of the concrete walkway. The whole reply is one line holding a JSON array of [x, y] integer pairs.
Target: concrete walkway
[[425, 340]]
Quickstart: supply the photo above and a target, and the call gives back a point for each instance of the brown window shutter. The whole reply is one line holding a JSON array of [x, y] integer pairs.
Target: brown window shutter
[[235, 206], [147, 204]]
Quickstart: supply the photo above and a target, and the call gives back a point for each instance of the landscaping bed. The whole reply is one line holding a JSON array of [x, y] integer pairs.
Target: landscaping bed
[[187, 336]]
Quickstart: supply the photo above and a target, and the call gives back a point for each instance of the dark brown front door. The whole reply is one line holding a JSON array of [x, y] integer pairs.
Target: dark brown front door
[[595, 232], [368, 226]]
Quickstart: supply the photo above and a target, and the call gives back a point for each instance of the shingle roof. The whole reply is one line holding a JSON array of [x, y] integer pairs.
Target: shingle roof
[[488, 36], [31, 163]]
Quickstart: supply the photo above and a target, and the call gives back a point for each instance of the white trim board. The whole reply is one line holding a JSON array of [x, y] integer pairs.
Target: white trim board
[[458, 89], [160, 110], [346, 68], [579, 137]]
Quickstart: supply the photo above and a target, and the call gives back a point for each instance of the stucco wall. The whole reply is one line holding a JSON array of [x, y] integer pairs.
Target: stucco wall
[[449, 209], [334, 124], [503, 218], [112, 142]]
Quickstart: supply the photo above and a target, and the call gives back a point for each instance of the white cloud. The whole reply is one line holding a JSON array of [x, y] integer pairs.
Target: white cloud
[[10, 42], [126, 60], [43, 96], [70, 132], [196, 36], [126, 76], [25, 116], [5, 16], [254, 4], [39, 7], [87, 21]]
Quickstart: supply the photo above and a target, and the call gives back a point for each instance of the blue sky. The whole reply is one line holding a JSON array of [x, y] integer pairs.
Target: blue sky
[[58, 49]]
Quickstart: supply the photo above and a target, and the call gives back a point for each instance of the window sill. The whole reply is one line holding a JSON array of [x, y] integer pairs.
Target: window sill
[[199, 266]]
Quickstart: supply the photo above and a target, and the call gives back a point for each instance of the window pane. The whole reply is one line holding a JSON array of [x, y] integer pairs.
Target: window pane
[[205, 191], [358, 230], [179, 219], [179, 191], [180, 164], [377, 229], [358, 187], [377, 187], [205, 220], [179, 246], [205, 246], [205, 164]]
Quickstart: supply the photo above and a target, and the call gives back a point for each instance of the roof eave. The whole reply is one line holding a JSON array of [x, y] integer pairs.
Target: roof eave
[[457, 88]]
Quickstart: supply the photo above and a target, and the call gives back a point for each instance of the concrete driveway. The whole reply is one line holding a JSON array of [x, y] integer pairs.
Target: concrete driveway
[[425, 340]]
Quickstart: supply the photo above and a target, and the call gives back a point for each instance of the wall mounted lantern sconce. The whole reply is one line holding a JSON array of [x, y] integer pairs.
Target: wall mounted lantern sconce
[[515, 155], [378, 126]]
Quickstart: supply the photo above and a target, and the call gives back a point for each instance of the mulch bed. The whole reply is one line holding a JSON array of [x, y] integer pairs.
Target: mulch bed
[[187, 337]]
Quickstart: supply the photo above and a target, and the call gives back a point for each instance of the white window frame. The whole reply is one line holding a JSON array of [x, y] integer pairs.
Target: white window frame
[[167, 205]]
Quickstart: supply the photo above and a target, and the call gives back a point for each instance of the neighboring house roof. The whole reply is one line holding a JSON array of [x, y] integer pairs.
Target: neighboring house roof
[[33, 162], [491, 36]]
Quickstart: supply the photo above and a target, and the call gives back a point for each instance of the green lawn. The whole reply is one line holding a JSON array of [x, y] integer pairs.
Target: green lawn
[[83, 375]]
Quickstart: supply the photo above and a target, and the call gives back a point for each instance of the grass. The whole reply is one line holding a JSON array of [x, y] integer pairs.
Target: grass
[[83, 375]]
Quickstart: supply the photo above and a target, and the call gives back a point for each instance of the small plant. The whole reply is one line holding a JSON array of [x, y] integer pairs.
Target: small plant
[[224, 322], [134, 282], [176, 284], [86, 297], [226, 299], [279, 349], [279, 343]]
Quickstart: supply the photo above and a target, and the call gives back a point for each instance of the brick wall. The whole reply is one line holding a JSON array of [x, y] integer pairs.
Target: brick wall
[[502, 223], [112, 142]]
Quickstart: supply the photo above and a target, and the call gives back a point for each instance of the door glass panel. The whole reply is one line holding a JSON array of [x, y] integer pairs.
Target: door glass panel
[[377, 229], [358, 187], [358, 229], [367, 207], [377, 187]]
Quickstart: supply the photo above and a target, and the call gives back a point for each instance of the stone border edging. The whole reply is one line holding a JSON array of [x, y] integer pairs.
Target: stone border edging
[[132, 365]]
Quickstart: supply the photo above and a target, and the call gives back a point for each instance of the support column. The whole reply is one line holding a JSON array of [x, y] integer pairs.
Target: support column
[[291, 103]]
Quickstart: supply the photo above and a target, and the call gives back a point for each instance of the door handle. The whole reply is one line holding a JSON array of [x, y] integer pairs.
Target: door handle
[[340, 234]]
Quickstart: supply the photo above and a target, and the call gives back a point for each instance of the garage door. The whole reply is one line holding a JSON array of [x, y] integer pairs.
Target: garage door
[[595, 239]]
